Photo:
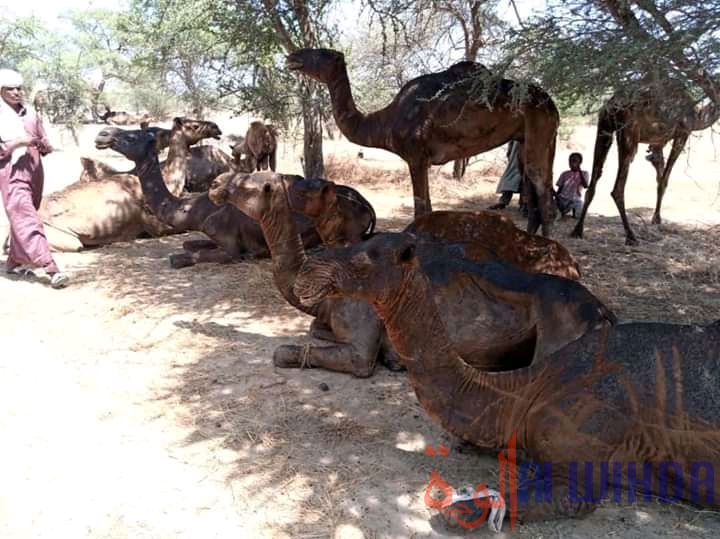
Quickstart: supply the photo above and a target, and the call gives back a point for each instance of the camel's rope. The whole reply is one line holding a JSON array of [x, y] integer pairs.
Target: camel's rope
[[305, 358]]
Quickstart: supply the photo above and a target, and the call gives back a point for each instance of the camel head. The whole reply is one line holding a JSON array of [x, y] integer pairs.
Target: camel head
[[95, 170], [373, 270], [196, 130], [253, 194], [323, 65], [162, 136], [135, 144], [312, 196]]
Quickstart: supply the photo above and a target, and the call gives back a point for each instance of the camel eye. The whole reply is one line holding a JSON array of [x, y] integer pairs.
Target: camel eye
[[267, 188], [407, 254]]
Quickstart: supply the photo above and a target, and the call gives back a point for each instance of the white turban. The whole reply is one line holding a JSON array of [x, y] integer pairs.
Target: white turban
[[10, 78]]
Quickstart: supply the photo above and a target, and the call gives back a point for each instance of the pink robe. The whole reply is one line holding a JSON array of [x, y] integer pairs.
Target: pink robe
[[22, 186]]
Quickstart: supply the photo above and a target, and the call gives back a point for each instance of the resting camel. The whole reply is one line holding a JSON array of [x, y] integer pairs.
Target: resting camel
[[234, 236], [489, 320], [639, 393], [651, 119], [479, 232], [259, 146], [433, 120], [106, 206]]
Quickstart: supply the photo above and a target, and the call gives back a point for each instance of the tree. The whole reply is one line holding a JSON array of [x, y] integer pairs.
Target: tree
[[586, 49]]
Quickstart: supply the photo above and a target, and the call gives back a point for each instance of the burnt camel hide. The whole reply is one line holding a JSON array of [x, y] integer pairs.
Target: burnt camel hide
[[628, 393], [441, 117], [488, 319], [106, 206], [651, 117], [259, 147], [483, 234], [233, 235]]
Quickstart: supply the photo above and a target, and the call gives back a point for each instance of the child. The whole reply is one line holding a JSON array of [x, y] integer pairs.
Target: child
[[570, 186]]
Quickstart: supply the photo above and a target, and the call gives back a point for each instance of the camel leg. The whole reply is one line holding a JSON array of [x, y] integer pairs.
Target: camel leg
[[539, 146], [603, 141], [357, 331], [420, 187], [627, 148], [199, 245], [677, 147], [388, 356]]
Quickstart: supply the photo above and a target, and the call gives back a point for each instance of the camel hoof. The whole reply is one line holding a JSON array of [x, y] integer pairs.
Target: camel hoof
[[576, 233], [181, 260], [287, 357], [656, 220], [392, 363]]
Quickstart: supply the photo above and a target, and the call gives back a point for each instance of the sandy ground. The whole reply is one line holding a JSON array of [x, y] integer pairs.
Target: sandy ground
[[141, 402]]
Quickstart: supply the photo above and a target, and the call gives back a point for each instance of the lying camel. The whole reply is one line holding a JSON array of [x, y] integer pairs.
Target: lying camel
[[234, 235], [476, 231], [106, 206], [632, 394], [513, 328]]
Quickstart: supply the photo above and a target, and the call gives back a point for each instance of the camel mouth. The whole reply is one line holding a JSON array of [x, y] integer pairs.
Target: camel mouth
[[103, 144]]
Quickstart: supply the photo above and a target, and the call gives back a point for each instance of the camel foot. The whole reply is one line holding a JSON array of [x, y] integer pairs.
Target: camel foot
[[577, 232], [656, 219], [469, 508], [631, 240], [288, 357], [391, 360], [181, 260], [199, 245]]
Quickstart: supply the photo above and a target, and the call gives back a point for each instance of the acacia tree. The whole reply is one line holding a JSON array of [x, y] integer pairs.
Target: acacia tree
[[583, 50]]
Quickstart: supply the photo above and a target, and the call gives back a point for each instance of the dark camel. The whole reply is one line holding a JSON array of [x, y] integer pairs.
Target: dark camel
[[433, 120], [652, 119], [487, 320], [233, 235], [482, 234], [642, 393]]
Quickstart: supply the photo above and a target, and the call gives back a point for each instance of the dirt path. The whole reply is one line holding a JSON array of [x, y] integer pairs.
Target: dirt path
[[142, 402]]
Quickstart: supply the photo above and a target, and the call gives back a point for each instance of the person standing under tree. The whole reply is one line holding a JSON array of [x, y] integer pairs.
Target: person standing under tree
[[23, 142], [570, 186], [511, 181]]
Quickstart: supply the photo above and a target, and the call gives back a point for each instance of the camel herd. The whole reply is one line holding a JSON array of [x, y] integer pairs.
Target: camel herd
[[493, 325]]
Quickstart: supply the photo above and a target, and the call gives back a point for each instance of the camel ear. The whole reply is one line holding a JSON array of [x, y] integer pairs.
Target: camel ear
[[406, 254], [177, 122]]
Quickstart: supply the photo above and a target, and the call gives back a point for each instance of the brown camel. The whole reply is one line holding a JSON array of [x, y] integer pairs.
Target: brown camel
[[650, 118], [106, 206], [259, 147], [234, 236], [488, 320], [637, 395], [481, 234], [433, 120]]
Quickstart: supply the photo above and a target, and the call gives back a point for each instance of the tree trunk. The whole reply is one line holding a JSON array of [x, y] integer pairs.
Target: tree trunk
[[313, 165]]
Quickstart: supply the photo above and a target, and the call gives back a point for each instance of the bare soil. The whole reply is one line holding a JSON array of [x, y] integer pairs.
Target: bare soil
[[141, 402]]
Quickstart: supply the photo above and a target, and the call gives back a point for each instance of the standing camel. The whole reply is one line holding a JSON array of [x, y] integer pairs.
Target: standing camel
[[651, 119], [435, 119]]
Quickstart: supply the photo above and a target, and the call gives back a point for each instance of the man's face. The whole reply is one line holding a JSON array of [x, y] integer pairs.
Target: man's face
[[13, 96], [575, 163]]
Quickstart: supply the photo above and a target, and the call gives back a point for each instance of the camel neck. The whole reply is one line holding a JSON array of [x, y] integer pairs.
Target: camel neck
[[464, 400], [286, 249], [176, 165], [161, 201], [357, 127]]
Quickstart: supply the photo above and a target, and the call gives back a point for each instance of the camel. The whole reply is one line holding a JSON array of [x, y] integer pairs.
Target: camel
[[259, 146], [106, 206], [433, 119], [478, 232], [549, 312], [651, 119], [234, 236], [637, 393]]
